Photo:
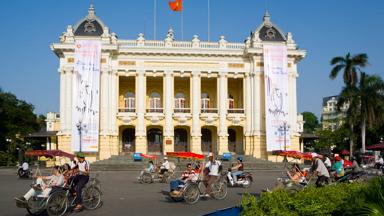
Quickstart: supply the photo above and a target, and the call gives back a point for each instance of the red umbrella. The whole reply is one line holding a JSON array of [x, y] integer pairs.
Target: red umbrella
[[344, 152], [49, 153]]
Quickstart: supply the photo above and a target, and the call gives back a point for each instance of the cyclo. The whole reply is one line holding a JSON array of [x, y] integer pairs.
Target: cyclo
[[61, 198], [150, 177], [192, 191]]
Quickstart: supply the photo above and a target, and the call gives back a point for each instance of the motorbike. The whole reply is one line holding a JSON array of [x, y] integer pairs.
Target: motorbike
[[243, 180], [27, 174]]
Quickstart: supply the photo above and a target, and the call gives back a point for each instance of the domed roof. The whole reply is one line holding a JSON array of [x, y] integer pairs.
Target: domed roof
[[269, 31], [90, 25]]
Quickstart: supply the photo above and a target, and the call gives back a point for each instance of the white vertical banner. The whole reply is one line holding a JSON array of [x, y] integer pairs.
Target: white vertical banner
[[86, 94], [276, 97]]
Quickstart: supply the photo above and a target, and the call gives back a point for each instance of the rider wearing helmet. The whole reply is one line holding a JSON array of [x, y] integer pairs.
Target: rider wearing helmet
[[237, 169]]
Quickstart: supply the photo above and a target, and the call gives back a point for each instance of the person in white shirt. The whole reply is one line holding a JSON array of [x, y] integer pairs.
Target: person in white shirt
[[327, 162], [379, 162], [25, 166], [43, 185], [164, 167], [81, 179], [214, 167]]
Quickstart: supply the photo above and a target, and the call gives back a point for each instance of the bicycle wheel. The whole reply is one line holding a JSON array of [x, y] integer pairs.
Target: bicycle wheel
[[91, 198], [146, 178], [35, 206], [191, 193], [57, 204], [219, 190]]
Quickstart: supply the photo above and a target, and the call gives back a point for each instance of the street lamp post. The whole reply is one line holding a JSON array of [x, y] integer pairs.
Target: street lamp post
[[283, 129], [80, 127]]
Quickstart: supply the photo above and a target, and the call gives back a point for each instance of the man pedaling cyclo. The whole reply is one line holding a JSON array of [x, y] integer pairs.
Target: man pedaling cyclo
[[81, 179]]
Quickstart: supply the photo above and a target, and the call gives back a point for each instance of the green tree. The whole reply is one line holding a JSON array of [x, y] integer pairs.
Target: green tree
[[370, 96], [311, 122], [350, 65], [16, 120]]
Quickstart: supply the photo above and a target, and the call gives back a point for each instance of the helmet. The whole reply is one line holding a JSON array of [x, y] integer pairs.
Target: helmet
[[240, 159]]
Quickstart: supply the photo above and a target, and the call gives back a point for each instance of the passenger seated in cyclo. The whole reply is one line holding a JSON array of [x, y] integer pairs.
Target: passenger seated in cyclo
[[237, 169], [164, 167], [295, 176], [43, 186], [149, 169], [188, 175], [80, 179]]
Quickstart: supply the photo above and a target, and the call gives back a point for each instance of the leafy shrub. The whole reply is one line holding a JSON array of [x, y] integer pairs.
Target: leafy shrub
[[330, 200]]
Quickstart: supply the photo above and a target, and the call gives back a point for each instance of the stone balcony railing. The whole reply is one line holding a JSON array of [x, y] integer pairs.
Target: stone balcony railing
[[180, 44]]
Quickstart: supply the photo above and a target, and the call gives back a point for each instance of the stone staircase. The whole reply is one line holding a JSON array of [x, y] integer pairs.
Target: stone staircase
[[125, 162]]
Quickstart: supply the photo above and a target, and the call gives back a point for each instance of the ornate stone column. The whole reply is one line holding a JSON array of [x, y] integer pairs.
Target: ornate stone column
[[223, 129], [141, 139], [248, 113], [196, 128], [168, 111]]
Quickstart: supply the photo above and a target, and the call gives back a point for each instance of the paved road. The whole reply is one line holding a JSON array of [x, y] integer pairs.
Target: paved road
[[122, 195]]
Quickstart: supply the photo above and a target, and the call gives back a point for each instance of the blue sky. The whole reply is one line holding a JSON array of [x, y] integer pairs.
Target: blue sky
[[325, 28]]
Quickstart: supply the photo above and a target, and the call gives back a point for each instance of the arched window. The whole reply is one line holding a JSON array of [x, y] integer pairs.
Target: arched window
[[231, 140], [155, 101], [179, 100], [129, 101], [205, 101], [206, 140], [155, 136]]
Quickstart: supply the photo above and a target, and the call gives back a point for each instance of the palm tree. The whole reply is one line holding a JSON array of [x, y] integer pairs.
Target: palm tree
[[371, 99], [350, 66]]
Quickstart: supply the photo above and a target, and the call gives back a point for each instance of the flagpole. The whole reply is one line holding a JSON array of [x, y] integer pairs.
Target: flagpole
[[209, 21], [154, 19], [182, 24]]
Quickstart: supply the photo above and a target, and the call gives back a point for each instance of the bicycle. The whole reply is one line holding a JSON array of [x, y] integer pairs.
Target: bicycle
[[57, 203], [192, 191]]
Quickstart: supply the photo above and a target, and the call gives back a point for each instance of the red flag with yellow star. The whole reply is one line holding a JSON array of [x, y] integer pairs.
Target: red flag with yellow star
[[176, 5]]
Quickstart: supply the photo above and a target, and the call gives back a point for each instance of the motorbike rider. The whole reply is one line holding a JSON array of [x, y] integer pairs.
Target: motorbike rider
[[380, 162], [164, 167], [24, 169], [318, 168], [213, 166], [81, 179], [43, 185], [188, 175], [237, 169]]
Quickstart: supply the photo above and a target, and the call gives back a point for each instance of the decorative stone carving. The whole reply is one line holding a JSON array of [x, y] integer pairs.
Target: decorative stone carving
[[222, 42], [247, 42], [140, 40], [127, 118], [67, 36], [209, 118], [113, 38], [290, 42], [195, 41], [256, 41], [154, 117], [182, 118], [170, 38], [236, 118]]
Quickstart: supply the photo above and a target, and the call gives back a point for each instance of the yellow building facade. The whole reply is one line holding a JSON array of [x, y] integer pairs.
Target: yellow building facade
[[159, 96]]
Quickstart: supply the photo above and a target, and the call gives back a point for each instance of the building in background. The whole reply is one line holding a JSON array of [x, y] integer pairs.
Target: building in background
[[159, 96], [332, 117]]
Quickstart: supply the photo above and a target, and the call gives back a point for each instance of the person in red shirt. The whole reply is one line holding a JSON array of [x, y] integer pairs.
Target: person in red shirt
[[188, 175]]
